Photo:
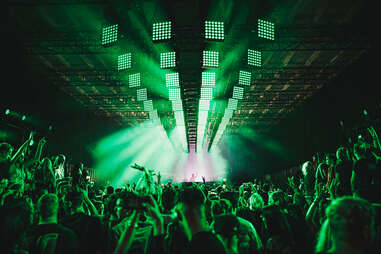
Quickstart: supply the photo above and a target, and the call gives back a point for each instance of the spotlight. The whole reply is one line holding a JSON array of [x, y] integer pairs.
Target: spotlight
[[7, 111], [210, 58], [161, 31], [153, 115], [23, 118], [177, 105], [203, 105], [206, 93], [266, 29], [134, 80], [214, 30], [254, 57], [232, 104], [174, 94], [109, 35], [167, 60], [244, 78], [208, 79], [172, 79], [148, 105], [142, 94], [124, 61], [237, 92]]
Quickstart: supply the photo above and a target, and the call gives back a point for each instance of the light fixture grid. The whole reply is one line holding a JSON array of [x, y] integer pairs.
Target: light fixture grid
[[153, 115], [232, 104], [266, 29], [177, 105], [172, 79], [210, 58], [161, 31], [134, 80], [124, 61], [167, 60], [109, 34], [174, 94], [208, 79], [238, 92], [214, 30], [148, 105], [203, 105], [254, 57], [141, 94], [244, 78], [206, 93]]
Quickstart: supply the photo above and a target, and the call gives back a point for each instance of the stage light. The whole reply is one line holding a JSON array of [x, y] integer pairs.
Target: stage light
[[174, 94], [7, 111], [265, 29], [161, 31], [167, 60], [142, 94], [124, 61], [254, 57], [244, 78], [206, 93], [214, 30], [179, 116], [228, 113], [232, 104], [208, 79], [177, 105], [202, 117], [237, 92], [134, 80], [210, 58], [203, 105], [23, 117], [172, 79], [148, 105], [109, 35], [153, 115]]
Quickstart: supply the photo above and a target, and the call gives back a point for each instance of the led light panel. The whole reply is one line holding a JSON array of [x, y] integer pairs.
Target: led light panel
[[203, 105], [228, 113], [167, 60], [177, 105], [172, 79], [237, 92], [254, 57], [208, 79], [153, 115], [210, 58], [148, 105], [214, 30], [134, 80], [109, 34], [244, 78], [266, 29], [161, 31], [174, 94], [124, 61], [206, 93], [179, 116], [142, 94], [232, 104], [202, 117]]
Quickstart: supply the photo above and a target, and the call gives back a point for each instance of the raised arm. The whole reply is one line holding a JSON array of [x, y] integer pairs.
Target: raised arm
[[22, 148]]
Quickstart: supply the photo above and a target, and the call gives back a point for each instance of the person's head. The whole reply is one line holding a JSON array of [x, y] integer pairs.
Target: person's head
[[60, 160], [359, 150], [123, 207], [342, 154], [74, 199], [277, 198], [232, 196], [109, 190], [330, 159], [221, 206], [307, 168], [256, 201], [192, 198], [349, 221], [226, 226], [6, 151], [169, 198], [47, 206], [46, 163]]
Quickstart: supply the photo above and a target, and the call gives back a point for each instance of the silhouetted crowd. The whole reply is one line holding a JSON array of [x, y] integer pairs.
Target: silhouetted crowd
[[328, 206]]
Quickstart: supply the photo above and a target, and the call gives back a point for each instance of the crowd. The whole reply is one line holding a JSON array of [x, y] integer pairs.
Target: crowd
[[329, 206]]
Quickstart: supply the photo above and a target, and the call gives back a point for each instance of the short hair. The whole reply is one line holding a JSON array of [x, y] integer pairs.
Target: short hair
[[307, 167], [342, 153], [75, 197], [5, 147], [221, 206], [192, 197], [277, 196], [47, 205]]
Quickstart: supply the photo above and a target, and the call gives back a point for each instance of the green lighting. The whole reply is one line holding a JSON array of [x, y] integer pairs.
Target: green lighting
[[177, 105], [23, 118], [237, 92], [109, 35], [232, 104], [214, 30], [203, 105], [142, 94], [265, 29], [148, 105], [153, 115], [206, 93], [7, 111], [134, 80], [174, 94], [167, 60], [179, 116], [124, 61], [172, 79], [254, 57], [210, 58], [228, 113], [161, 31], [208, 79], [202, 117], [244, 78]]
